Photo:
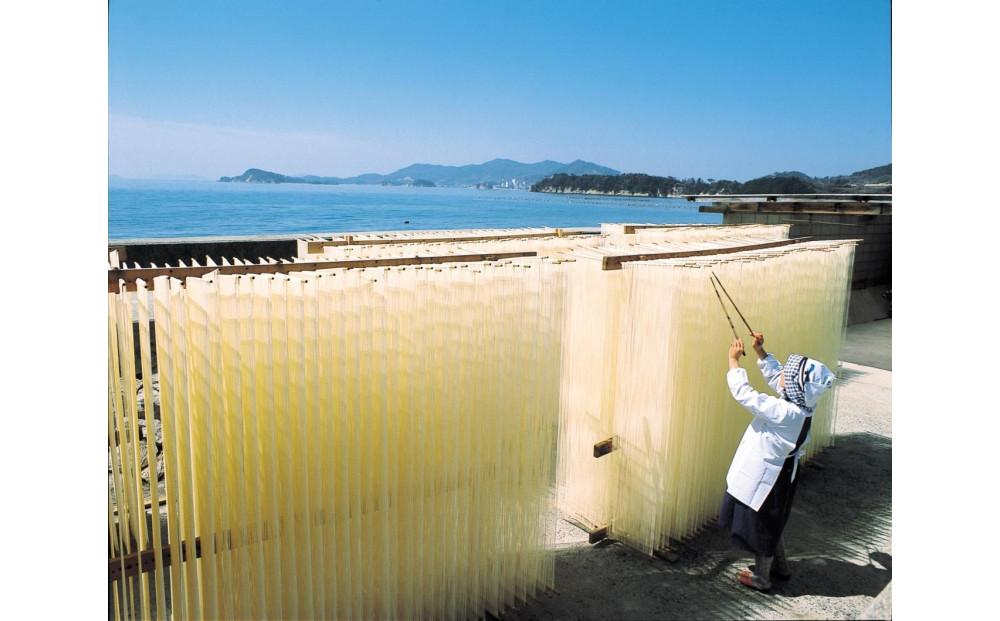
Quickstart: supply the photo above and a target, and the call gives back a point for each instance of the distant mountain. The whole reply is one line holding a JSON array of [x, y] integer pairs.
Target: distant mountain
[[880, 176], [777, 183], [871, 181], [494, 173], [256, 175], [789, 173]]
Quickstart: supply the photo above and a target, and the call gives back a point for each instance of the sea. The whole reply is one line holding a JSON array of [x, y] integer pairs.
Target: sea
[[141, 209]]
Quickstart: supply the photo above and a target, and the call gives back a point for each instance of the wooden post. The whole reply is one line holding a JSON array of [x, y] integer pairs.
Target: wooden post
[[598, 534]]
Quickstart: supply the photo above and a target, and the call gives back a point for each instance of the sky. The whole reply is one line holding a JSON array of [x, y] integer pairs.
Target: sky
[[713, 89]]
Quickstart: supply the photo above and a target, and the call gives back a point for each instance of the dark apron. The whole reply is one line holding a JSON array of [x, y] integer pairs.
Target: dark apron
[[760, 531]]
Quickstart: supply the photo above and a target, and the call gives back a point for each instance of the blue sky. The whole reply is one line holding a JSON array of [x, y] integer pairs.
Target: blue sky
[[713, 89]]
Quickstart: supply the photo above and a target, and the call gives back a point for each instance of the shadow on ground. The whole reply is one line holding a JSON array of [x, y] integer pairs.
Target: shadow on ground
[[837, 539], [869, 344]]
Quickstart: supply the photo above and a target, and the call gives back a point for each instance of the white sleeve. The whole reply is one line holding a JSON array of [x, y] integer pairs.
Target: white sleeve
[[772, 409], [769, 367]]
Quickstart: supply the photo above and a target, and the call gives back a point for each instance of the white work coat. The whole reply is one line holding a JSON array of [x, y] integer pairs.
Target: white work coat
[[768, 440]]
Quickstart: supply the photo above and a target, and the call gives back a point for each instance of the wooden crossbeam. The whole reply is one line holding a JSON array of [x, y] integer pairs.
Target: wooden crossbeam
[[824, 222], [802, 207], [145, 561], [859, 198], [615, 262], [630, 229], [313, 246], [147, 274]]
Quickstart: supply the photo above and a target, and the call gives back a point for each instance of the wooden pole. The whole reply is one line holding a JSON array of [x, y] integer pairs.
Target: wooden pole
[[733, 303], [728, 318]]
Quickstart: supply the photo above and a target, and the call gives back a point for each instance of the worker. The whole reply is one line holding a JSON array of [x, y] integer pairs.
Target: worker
[[761, 481]]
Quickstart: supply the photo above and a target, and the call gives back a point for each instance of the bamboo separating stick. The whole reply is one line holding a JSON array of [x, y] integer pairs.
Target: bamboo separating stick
[[749, 329]]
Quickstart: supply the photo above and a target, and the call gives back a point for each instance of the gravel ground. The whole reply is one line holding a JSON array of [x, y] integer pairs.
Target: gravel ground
[[870, 344], [838, 538]]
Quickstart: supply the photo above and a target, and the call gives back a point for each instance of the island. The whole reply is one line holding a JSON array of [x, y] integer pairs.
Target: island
[[876, 180]]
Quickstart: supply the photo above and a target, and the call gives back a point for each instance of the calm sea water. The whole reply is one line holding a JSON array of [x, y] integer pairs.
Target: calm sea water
[[148, 209]]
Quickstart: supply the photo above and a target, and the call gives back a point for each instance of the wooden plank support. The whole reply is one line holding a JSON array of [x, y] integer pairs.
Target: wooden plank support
[[598, 534], [667, 554], [144, 561], [615, 262], [148, 274], [604, 447], [594, 533]]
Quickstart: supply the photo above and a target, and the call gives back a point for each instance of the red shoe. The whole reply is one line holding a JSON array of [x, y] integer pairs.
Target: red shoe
[[750, 579]]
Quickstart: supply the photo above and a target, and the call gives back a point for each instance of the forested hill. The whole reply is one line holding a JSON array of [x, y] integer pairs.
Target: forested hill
[[871, 181]]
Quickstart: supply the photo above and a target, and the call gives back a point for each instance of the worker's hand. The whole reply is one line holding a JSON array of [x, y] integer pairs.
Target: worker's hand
[[735, 351], [758, 344]]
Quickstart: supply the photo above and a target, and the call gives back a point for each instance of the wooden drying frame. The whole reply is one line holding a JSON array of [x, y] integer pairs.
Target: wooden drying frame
[[615, 262], [144, 560], [130, 275]]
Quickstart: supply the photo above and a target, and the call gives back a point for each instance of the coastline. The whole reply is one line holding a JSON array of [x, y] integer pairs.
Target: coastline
[[622, 193]]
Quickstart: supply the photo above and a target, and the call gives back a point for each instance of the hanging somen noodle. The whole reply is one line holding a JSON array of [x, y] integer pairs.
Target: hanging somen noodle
[[664, 400], [377, 442], [595, 334], [348, 444]]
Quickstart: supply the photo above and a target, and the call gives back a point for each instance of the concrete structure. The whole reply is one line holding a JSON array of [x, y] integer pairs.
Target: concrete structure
[[868, 218]]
